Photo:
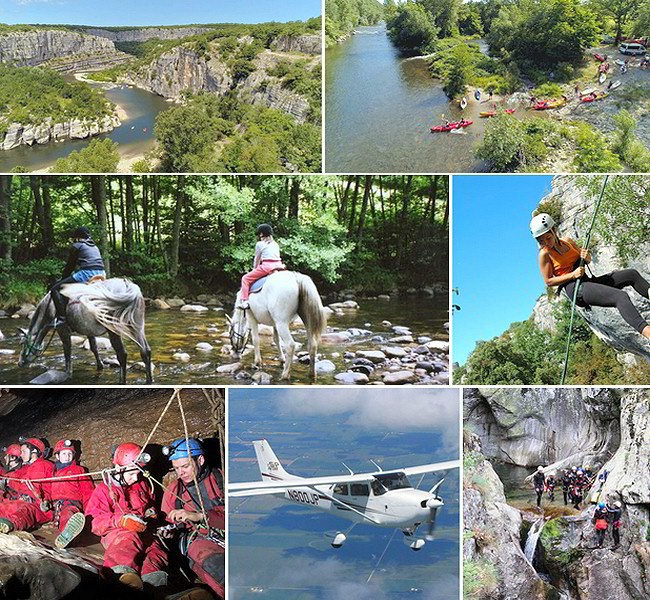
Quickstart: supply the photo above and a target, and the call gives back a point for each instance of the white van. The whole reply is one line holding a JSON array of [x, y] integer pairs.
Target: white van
[[632, 48]]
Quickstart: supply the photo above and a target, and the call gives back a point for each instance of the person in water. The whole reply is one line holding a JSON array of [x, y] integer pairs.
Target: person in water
[[267, 260], [84, 263], [559, 265]]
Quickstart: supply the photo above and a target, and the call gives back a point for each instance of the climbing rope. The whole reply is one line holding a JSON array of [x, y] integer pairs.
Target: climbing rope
[[577, 286]]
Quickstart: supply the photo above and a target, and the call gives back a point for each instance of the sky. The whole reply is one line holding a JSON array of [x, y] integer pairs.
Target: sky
[[495, 265], [155, 12], [284, 548]]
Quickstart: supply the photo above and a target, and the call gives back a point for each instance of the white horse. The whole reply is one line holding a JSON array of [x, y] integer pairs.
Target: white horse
[[114, 306], [285, 294]]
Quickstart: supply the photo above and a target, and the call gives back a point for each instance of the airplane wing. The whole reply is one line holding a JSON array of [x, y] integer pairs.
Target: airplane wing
[[259, 488]]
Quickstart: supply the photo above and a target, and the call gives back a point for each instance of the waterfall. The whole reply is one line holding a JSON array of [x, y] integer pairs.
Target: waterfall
[[533, 536]]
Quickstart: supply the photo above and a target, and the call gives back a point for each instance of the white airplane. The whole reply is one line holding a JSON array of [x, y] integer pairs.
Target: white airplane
[[381, 498]]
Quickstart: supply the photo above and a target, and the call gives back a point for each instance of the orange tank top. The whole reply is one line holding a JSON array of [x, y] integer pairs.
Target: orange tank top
[[563, 263]]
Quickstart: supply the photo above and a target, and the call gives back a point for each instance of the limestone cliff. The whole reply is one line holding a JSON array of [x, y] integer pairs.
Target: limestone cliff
[[577, 209], [146, 33], [32, 48], [307, 44]]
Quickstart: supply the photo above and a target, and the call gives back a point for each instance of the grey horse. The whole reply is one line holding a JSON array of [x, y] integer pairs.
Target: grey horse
[[114, 306], [285, 294]]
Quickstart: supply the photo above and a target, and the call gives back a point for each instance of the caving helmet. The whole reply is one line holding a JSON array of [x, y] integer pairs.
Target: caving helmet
[[12, 450], [81, 232], [541, 223], [129, 453], [617, 504], [265, 229], [33, 443], [540, 468], [181, 449], [64, 445]]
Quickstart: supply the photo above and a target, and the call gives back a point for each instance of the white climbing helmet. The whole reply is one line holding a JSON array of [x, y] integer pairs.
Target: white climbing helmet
[[540, 468], [541, 223], [617, 504]]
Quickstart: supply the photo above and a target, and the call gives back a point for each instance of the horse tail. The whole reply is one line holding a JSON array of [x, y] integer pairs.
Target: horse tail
[[310, 307], [119, 306]]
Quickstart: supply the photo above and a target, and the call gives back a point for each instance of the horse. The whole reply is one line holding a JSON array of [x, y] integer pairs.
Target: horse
[[284, 295], [114, 306]]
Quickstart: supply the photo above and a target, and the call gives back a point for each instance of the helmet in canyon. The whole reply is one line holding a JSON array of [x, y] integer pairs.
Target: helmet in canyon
[[129, 453], [181, 449], [34, 444], [64, 445], [264, 229], [541, 224], [540, 469]]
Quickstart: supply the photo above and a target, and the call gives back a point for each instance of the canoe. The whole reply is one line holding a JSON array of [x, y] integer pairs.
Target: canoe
[[587, 92], [487, 113], [455, 125], [592, 99], [599, 57], [547, 105], [463, 103], [615, 84], [619, 62], [602, 78]]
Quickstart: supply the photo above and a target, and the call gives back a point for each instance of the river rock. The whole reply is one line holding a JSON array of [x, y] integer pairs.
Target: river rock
[[52, 376], [384, 297], [28, 135], [351, 378], [376, 356], [77, 340], [423, 339], [421, 350], [426, 366], [181, 357], [393, 351], [401, 330], [328, 311], [25, 309], [103, 343], [175, 302], [324, 367], [399, 378], [266, 330], [438, 346], [196, 308], [347, 305], [231, 368], [360, 368], [204, 347], [78, 129], [335, 337], [355, 332], [401, 339], [141, 367], [3, 314], [160, 304], [262, 378], [2, 337]]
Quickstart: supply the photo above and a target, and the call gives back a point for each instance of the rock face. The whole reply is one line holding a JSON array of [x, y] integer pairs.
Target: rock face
[[606, 323], [532, 426], [494, 564], [146, 33], [31, 48], [307, 44]]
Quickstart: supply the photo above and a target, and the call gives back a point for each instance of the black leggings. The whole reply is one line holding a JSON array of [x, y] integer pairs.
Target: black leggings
[[59, 301], [606, 291]]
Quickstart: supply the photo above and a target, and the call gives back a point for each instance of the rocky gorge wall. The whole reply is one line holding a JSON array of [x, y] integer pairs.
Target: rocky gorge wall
[[146, 33], [577, 210]]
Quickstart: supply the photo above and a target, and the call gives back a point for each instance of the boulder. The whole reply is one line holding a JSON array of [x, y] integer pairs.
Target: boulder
[[231, 368], [438, 346], [77, 340], [2, 337], [351, 378], [393, 351], [401, 339], [50, 377], [160, 304], [25, 309], [376, 356], [103, 343], [204, 347], [384, 297], [196, 308], [175, 302], [262, 378], [399, 378], [401, 330], [324, 367], [423, 339], [335, 337], [181, 357]]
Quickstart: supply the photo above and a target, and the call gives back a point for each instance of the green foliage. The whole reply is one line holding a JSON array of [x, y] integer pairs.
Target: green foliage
[[625, 144], [593, 154], [342, 16], [411, 29], [30, 95], [100, 156], [551, 206], [469, 19], [480, 580], [459, 73], [28, 282], [548, 90]]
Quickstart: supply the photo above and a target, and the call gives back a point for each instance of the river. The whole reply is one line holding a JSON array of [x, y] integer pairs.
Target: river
[[380, 106], [140, 106], [173, 331]]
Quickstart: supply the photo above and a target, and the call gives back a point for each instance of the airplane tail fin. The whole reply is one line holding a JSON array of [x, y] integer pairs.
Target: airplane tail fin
[[270, 467]]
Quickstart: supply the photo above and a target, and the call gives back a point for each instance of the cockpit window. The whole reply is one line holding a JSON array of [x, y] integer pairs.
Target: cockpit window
[[389, 481], [341, 489], [359, 489]]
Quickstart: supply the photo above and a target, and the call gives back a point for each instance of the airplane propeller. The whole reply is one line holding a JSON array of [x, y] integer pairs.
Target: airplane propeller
[[433, 503]]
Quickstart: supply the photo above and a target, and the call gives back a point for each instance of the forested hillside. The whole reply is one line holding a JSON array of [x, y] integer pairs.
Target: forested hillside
[[177, 234], [342, 16]]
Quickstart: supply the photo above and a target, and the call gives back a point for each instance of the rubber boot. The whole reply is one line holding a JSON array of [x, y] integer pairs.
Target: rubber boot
[[132, 580], [6, 525], [72, 529]]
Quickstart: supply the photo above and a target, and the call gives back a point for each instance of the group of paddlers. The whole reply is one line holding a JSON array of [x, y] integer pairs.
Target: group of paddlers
[[141, 538]]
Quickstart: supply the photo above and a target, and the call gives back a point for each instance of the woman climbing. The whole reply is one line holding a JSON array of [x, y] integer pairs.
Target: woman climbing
[[267, 260], [559, 261]]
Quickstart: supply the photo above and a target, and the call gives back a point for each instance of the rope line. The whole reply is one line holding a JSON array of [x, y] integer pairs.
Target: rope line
[[578, 281]]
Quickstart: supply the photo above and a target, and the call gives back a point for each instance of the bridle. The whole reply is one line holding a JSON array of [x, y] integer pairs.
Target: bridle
[[239, 341]]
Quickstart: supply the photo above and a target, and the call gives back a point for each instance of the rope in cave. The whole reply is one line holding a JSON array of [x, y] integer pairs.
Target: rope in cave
[[577, 286]]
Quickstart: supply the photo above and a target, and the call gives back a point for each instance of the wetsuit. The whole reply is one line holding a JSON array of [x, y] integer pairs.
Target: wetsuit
[[84, 263], [615, 519], [538, 481], [605, 290], [550, 487], [566, 484], [600, 519]]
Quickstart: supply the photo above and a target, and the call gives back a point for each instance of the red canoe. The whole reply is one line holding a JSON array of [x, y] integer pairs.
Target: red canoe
[[456, 125], [599, 57]]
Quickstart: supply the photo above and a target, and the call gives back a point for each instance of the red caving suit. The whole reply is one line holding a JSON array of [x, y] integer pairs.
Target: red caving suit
[[125, 550], [70, 496], [205, 555], [25, 513]]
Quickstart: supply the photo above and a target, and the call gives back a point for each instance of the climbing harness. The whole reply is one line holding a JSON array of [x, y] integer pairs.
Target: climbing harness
[[577, 285]]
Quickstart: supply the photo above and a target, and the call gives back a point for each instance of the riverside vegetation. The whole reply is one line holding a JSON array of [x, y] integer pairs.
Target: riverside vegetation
[[536, 48], [252, 102]]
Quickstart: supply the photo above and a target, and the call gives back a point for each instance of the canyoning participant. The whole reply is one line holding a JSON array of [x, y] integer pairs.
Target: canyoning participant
[[10, 459], [566, 485], [550, 486], [30, 504], [123, 508], [84, 263], [69, 496], [267, 260], [559, 261], [204, 547], [538, 482], [578, 489], [615, 519], [600, 521]]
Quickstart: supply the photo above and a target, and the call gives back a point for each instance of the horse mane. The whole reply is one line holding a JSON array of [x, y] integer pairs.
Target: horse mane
[[116, 303]]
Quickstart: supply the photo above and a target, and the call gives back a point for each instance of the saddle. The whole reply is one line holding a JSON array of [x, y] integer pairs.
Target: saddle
[[259, 283], [96, 279]]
